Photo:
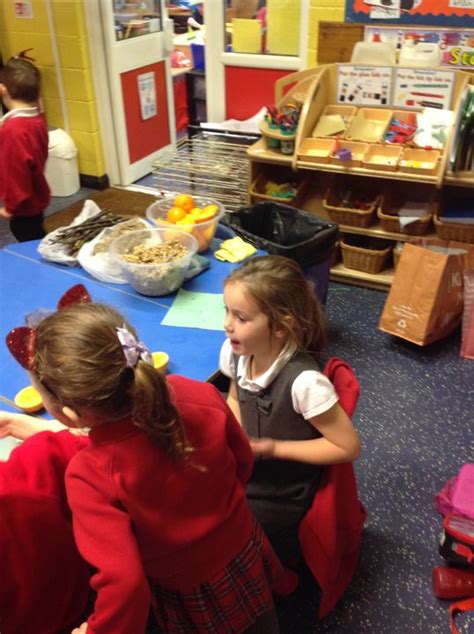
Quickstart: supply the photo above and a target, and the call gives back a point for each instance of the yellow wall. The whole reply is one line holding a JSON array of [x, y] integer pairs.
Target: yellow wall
[[321, 11], [17, 34]]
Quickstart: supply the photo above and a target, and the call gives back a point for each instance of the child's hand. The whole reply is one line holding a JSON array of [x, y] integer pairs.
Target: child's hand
[[20, 426], [4, 214], [262, 447], [80, 630]]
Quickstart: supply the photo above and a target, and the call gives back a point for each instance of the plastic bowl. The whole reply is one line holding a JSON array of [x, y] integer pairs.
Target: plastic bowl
[[154, 279], [202, 231]]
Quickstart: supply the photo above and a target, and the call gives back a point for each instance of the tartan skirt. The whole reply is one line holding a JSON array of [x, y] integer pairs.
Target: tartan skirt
[[231, 601]]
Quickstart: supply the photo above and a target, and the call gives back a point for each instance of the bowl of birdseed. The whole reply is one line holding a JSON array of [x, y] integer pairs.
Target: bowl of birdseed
[[154, 261]]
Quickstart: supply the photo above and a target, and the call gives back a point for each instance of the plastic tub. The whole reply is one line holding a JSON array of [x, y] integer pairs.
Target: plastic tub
[[154, 279], [202, 231]]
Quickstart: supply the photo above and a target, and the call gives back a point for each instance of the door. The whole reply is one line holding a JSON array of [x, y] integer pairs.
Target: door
[[137, 40], [249, 45]]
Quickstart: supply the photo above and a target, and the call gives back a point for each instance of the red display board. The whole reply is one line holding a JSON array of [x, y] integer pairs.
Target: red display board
[[145, 136], [249, 89]]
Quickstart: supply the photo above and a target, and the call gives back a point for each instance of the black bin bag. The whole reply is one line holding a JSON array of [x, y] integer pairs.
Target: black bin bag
[[282, 230]]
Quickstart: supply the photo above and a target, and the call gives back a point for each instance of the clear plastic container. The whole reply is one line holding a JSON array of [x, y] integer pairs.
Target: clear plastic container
[[154, 279], [202, 231]]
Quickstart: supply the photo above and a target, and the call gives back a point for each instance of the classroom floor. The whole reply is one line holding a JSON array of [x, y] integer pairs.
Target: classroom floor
[[415, 419]]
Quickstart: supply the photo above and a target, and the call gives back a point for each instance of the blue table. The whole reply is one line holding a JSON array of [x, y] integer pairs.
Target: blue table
[[28, 282]]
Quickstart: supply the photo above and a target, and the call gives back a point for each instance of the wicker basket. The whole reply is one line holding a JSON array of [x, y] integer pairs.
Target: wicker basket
[[389, 219], [365, 259], [348, 215], [453, 230], [257, 189]]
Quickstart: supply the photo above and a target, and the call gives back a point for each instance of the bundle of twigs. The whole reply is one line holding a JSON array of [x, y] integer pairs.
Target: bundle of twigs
[[72, 238]]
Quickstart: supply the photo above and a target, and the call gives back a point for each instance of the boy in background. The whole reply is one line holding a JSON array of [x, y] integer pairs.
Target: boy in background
[[24, 190]]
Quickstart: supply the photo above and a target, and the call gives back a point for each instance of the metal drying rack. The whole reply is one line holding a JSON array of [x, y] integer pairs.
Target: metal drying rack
[[210, 166]]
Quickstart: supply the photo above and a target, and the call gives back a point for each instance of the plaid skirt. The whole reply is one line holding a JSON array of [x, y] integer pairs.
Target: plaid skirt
[[229, 602]]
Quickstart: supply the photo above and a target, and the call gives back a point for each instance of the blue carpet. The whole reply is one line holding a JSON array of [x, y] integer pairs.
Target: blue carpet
[[415, 421]]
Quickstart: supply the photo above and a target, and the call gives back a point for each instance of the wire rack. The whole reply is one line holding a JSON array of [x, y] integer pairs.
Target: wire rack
[[207, 167]]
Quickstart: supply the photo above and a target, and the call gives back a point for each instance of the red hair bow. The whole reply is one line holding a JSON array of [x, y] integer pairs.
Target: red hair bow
[[22, 341], [23, 55]]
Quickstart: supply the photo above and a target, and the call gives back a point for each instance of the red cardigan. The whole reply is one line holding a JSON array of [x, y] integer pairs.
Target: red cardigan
[[330, 533], [44, 582], [139, 516], [23, 153]]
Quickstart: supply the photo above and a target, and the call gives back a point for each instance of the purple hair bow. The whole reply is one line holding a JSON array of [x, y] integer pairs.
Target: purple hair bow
[[133, 349]]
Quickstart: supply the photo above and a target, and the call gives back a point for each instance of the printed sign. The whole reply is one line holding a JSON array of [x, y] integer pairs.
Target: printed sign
[[423, 88], [364, 85], [147, 95]]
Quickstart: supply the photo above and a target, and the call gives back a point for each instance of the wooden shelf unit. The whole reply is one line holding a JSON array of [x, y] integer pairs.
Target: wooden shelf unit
[[320, 89]]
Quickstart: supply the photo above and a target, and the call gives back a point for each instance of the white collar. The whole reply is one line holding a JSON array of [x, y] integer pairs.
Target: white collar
[[32, 111], [264, 380]]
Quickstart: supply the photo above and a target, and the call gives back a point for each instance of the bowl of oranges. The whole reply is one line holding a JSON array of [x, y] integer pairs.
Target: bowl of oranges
[[197, 215]]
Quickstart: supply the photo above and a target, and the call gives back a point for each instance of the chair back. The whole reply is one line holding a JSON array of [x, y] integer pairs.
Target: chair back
[[330, 533]]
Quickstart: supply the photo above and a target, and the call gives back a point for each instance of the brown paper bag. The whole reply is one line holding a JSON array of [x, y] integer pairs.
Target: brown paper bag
[[425, 301]]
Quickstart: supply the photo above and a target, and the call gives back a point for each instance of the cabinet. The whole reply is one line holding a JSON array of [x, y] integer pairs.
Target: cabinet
[[315, 90]]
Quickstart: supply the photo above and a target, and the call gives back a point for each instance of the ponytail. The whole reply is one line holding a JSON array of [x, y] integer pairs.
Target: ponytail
[[155, 413]]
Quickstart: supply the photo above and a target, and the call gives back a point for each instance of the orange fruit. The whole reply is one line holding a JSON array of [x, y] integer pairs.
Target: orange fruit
[[175, 213], [196, 211], [185, 201]]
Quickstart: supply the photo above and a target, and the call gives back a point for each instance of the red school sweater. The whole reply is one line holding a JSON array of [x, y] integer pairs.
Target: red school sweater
[[138, 515], [44, 582], [23, 154]]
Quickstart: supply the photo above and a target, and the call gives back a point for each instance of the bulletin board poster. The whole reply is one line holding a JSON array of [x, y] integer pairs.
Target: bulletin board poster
[[457, 46], [423, 12], [364, 85]]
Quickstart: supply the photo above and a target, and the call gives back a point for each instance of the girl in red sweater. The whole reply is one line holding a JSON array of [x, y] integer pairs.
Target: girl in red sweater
[[158, 498]]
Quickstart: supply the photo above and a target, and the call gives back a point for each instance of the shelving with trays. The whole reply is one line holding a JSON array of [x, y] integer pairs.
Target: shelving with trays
[[320, 92]]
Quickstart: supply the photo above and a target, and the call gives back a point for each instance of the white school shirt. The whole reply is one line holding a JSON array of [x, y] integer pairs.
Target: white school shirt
[[312, 393]]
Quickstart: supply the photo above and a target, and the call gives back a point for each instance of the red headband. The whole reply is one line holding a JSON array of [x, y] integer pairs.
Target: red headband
[[22, 341]]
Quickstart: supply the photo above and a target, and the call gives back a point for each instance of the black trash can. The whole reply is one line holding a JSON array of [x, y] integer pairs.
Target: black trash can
[[294, 233]]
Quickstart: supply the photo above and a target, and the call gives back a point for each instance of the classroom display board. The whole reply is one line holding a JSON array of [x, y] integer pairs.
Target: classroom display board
[[456, 45], [436, 12]]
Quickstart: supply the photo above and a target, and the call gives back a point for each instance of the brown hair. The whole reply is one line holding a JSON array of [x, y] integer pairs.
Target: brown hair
[[280, 290], [22, 80], [80, 360]]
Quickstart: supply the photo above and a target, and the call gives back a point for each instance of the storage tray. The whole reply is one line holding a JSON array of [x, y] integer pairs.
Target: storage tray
[[364, 259], [316, 150], [358, 151], [383, 157], [417, 161], [346, 112], [406, 116], [369, 125]]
